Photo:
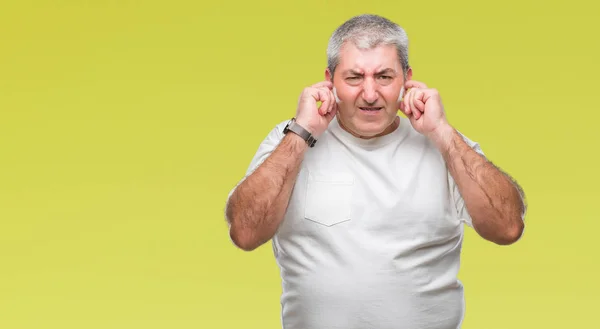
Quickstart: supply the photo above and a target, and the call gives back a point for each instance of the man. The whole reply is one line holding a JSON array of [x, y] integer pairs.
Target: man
[[367, 222]]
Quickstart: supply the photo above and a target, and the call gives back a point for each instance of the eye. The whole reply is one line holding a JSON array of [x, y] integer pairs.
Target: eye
[[385, 77], [353, 80]]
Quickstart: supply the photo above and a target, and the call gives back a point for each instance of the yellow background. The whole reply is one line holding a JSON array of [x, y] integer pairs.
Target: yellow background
[[124, 124]]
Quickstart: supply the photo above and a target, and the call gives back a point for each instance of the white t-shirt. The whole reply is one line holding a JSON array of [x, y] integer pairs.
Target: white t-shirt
[[372, 235]]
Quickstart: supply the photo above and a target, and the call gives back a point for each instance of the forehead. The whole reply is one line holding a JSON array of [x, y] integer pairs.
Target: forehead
[[368, 60]]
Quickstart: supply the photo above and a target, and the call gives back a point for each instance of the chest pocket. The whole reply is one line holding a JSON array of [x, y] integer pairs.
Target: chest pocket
[[329, 197]]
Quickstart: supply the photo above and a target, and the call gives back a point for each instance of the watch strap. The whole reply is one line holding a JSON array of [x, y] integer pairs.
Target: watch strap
[[297, 129]]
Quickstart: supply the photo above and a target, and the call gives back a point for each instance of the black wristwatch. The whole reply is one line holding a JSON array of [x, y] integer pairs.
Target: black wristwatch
[[300, 131]]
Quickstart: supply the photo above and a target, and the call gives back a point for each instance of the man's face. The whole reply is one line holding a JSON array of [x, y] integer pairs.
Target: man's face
[[368, 85]]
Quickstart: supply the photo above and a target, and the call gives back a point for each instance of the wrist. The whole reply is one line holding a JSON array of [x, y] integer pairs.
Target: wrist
[[307, 126], [442, 136], [300, 130]]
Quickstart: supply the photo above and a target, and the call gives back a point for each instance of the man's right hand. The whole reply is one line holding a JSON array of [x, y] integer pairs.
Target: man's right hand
[[314, 119]]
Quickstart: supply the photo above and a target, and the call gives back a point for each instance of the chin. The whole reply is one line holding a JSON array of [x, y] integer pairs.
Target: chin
[[370, 129]]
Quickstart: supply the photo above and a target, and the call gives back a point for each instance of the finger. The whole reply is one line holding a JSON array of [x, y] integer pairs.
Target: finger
[[333, 101], [411, 103], [326, 84], [328, 98], [420, 106], [400, 104], [416, 100], [405, 101], [335, 96], [329, 116], [401, 95], [321, 96], [419, 101], [405, 108], [327, 101], [414, 84]]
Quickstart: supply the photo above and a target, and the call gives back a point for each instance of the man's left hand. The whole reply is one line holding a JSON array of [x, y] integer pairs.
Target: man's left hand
[[423, 107]]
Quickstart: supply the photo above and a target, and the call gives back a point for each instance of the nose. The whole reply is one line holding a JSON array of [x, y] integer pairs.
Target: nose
[[370, 93]]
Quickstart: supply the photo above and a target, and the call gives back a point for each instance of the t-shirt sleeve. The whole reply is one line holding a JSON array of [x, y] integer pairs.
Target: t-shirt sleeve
[[457, 198], [266, 147]]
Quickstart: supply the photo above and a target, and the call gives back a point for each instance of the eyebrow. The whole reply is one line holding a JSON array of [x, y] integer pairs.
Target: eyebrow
[[384, 71]]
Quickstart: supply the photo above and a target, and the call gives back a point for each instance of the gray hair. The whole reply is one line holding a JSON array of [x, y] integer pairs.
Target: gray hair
[[366, 32]]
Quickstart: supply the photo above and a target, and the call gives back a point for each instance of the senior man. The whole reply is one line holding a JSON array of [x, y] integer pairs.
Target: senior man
[[365, 209]]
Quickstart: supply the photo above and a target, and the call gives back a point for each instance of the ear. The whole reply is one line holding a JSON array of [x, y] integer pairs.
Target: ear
[[328, 75], [409, 74]]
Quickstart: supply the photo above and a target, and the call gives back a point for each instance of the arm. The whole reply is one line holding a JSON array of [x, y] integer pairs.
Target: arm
[[258, 204], [493, 200]]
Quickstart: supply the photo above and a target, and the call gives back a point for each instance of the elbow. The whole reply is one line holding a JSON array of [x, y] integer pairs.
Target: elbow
[[512, 234], [242, 239]]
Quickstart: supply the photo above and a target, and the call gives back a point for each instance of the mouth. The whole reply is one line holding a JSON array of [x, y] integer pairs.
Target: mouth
[[371, 109]]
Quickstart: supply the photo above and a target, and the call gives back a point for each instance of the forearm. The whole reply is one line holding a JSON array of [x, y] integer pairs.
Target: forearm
[[258, 204], [493, 200]]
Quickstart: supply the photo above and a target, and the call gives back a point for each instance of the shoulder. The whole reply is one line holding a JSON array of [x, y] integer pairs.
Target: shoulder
[[278, 129], [276, 133]]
